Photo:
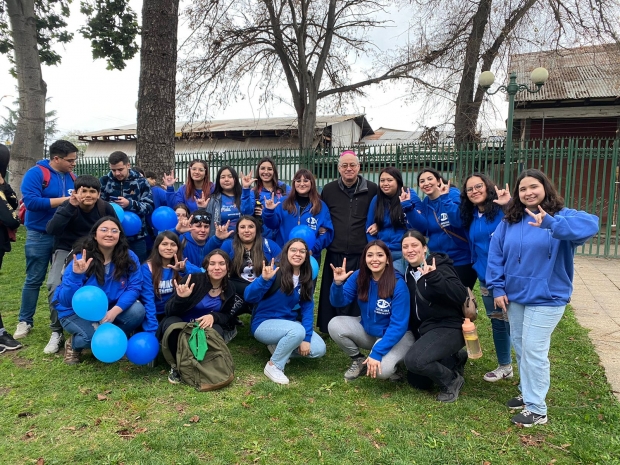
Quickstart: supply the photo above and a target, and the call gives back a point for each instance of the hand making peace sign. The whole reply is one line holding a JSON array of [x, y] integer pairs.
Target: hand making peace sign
[[538, 217]]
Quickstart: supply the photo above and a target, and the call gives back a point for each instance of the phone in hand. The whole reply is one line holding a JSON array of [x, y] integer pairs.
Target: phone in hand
[[113, 198]]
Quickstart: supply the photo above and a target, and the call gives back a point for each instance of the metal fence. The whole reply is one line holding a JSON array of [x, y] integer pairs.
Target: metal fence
[[585, 171]]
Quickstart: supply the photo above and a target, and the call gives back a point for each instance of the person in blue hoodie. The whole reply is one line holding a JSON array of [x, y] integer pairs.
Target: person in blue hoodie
[[196, 241], [438, 218], [267, 186], [386, 220], [530, 272], [196, 190], [481, 212], [283, 316], [41, 199], [384, 303], [107, 263], [302, 207]]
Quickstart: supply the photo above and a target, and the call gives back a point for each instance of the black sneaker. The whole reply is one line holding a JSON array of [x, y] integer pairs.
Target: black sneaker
[[174, 377], [528, 419], [8, 343], [516, 403], [451, 392]]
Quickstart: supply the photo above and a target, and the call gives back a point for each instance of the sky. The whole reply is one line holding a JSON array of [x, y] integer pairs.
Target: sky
[[88, 97]]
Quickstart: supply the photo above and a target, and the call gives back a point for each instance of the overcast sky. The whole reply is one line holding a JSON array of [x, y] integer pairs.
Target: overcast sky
[[88, 97]]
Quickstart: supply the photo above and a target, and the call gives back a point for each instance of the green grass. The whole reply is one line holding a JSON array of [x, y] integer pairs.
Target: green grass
[[54, 412]]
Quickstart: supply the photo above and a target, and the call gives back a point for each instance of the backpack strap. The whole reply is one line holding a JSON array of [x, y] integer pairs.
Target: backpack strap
[[275, 287], [447, 231], [266, 244], [165, 349], [46, 176]]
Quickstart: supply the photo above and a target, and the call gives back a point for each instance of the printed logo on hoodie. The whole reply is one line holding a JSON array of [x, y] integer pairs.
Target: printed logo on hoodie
[[443, 218], [312, 223], [383, 307]]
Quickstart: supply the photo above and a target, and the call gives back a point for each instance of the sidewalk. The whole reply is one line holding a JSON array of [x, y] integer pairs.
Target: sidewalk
[[596, 303]]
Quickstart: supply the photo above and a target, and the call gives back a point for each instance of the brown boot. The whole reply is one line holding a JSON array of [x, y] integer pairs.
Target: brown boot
[[72, 357]]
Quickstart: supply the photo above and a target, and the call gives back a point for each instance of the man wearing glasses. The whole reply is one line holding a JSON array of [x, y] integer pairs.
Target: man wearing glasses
[[348, 199], [44, 187]]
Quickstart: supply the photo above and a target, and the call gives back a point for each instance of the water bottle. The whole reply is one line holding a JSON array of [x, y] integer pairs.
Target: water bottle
[[471, 339]]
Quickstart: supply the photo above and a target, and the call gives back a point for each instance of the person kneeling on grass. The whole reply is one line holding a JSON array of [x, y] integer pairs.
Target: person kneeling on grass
[[276, 319], [107, 263], [384, 303]]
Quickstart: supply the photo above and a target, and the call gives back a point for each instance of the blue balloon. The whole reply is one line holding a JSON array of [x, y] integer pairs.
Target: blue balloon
[[90, 303], [164, 218], [120, 213], [109, 343], [132, 224], [142, 348], [305, 233], [315, 267]]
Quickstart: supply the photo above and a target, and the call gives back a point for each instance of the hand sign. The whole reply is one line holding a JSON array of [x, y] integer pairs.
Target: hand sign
[[445, 188], [183, 290], [201, 201], [269, 271], [270, 204], [80, 265], [538, 217], [184, 224], [427, 268], [405, 195], [247, 181], [340, 273], [503, 195], [221, 231], [169, 179], [178, 265]]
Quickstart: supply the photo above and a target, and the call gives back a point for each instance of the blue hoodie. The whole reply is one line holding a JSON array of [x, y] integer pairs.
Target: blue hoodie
[[283, 221], [278, 306], [270, 249], [534, 266], [388, 233], [479, 235], [37, 199], [174, 198], [387, 319], [195, 253], [123, 293], [425, 216], [263, 195]]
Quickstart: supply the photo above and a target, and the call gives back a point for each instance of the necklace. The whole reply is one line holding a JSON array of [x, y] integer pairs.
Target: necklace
[[215, 288]]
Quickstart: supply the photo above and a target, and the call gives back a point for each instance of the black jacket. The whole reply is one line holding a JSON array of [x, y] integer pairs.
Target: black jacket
[[178, 306], [8, 215], [348, 214], [442, 296]]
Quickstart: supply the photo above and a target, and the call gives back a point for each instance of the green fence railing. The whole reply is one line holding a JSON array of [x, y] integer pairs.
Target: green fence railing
[[584, 170]]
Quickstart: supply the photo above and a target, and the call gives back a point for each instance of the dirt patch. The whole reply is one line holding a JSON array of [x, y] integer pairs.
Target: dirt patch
[[18, 360], [4, 391]]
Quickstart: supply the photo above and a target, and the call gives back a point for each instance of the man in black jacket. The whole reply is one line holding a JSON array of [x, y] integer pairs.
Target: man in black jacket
[[348, 199]]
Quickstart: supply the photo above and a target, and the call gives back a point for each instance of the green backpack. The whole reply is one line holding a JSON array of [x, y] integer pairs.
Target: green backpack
[[202, 359]]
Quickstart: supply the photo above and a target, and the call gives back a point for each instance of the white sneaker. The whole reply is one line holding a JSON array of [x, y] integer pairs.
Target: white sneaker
[[501, 372], [55, 343], [275, 374], [22, 330]]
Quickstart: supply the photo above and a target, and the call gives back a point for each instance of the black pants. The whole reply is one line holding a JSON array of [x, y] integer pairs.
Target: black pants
[[326, 310], [467, 275], [173, 338], [426, 356]]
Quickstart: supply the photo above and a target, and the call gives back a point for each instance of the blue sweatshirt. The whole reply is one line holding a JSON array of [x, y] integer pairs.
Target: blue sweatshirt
[[37, 199], [444, 209], [173, 198], [263, 195], [479, 235], [534, 266], [384, 318], [195, 253], [278, 306], [283, 221], [388, 233], [123, 293], [159, 197], [270, 249]]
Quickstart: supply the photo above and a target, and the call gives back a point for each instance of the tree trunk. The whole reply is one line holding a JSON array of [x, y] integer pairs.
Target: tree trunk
[[156, 95], [306, 122], [29, 139]]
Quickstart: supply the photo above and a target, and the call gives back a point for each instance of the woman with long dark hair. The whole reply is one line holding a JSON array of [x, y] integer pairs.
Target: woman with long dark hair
[[268, 185], [107, 263], [196, 190], [530, 273], [384, 303], [481, 212], [230, 200], [302, 207], [277, 320]]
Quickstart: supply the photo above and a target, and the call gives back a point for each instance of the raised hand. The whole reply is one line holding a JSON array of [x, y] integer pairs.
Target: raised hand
[[340, 273], [75, 199], [269, 271], [270, 204], [258, 210], [178, 265], [405, 195], [538, 217], [80, 265], [221, 231], [202, 201], [169, 179], [503, 195], [246, 181], [445, 188], [373, 229], [183, 290], [184, 224], [427, 268]]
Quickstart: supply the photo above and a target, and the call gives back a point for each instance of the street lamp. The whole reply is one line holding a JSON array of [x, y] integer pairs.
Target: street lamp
[[539, 76]]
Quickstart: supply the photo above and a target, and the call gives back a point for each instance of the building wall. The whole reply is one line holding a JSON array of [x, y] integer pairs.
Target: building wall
[[571, 127]]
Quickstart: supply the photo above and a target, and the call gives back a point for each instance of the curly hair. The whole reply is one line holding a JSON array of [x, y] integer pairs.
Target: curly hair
[[305, 272], [467, 208], [552, 203]]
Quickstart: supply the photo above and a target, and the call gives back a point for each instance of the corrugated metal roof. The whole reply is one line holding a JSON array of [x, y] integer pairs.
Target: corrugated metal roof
[[384, 136], [574, 74]]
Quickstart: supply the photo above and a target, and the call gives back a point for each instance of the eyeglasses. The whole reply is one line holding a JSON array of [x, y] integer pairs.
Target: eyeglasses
[[347, 165], [107, 230], [71, 161], [296, 250], [201, 218], [476, 187]]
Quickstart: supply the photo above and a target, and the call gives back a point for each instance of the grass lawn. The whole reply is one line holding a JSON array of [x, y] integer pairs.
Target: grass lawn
[[124, 414]]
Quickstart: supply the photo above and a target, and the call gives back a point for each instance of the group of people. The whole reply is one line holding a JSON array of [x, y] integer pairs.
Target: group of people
[[395, 274]]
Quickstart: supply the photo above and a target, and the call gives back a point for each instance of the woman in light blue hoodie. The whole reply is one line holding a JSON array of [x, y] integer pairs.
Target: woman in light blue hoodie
[[530, 272]]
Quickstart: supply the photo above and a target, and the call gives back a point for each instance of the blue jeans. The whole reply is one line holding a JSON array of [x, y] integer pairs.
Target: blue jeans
[[530, 331], [288, 335], [399, 263], [82, 330], [499, 325], [39, 247]]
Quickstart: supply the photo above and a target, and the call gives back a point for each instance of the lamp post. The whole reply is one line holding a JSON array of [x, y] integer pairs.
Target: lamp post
[[539, 76]]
